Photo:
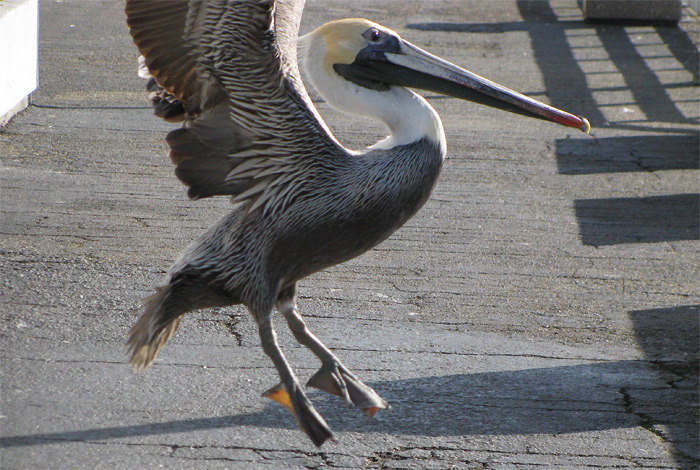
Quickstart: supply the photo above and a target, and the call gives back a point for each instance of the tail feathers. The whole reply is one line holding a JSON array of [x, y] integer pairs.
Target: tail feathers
[[152, 330]]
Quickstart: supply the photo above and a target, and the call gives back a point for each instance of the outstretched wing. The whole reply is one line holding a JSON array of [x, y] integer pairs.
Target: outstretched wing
[[230, 66]]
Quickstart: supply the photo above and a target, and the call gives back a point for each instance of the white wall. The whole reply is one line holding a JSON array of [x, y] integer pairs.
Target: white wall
[[19, 21]]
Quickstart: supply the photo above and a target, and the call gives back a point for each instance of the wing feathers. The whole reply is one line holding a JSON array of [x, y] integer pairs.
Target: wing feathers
[[229, 68]]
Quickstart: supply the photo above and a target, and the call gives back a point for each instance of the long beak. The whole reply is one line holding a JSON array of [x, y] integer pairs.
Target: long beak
[[413, 67]]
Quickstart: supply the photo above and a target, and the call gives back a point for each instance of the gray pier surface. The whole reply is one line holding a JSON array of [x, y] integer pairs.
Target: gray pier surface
[[541, 312]]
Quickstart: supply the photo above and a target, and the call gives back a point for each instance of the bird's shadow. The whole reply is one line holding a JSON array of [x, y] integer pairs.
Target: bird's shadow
[[545, 400]]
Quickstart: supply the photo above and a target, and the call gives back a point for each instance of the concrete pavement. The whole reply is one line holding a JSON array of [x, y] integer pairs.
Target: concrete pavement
[[540, 312]]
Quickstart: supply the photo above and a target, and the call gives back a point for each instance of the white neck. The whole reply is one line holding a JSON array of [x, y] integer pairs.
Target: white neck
[[408, 116]]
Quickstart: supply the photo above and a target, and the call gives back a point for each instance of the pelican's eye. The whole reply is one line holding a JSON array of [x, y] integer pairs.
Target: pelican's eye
[[374, 36], [379, 42]]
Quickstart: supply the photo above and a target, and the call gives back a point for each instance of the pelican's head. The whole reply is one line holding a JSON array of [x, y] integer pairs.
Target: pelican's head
[[361, 67], [326, 51]]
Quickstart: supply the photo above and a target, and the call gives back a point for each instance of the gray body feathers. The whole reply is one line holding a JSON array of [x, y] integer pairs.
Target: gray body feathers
[[248, 256]]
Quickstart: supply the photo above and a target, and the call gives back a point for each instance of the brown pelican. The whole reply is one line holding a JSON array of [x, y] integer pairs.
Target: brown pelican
[[303, 202]]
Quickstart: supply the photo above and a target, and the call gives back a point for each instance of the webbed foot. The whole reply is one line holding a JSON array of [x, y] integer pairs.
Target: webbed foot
[[337, 380]]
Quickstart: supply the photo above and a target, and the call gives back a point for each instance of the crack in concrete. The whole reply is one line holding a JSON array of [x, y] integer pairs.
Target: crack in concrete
[[326, 458], [121, 363], [432, 453], [645, 421], [648, 423], [176, 447], [486, 354], [376, 460], [231, 324], [681, 370], [63, 361]]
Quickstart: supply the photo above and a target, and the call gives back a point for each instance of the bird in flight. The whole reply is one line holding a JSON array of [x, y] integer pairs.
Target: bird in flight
[[228, 71]]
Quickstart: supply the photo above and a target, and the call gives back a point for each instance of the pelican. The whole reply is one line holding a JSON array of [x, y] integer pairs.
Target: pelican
[[228, 70]]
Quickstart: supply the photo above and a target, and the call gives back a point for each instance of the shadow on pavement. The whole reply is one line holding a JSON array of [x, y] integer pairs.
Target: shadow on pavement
[[683, 49], [565, 82], [644, 83], [555, 400], [669, 338], [617, 220], [564, 79], [567, 399], [151, 429], [612, 221], [628, 154], [670, 334]]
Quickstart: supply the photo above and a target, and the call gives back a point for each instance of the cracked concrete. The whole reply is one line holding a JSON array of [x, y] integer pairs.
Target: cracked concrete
[[541, 312], [231, 325]]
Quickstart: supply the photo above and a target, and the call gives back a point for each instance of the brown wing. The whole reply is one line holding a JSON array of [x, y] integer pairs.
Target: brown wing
[[250, 128]]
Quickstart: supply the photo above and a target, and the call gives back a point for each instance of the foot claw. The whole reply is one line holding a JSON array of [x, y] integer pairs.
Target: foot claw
[[339, 381]]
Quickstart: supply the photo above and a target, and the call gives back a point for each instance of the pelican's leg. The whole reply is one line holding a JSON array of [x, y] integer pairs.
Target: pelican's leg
[[288, 392], [333, 377]]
